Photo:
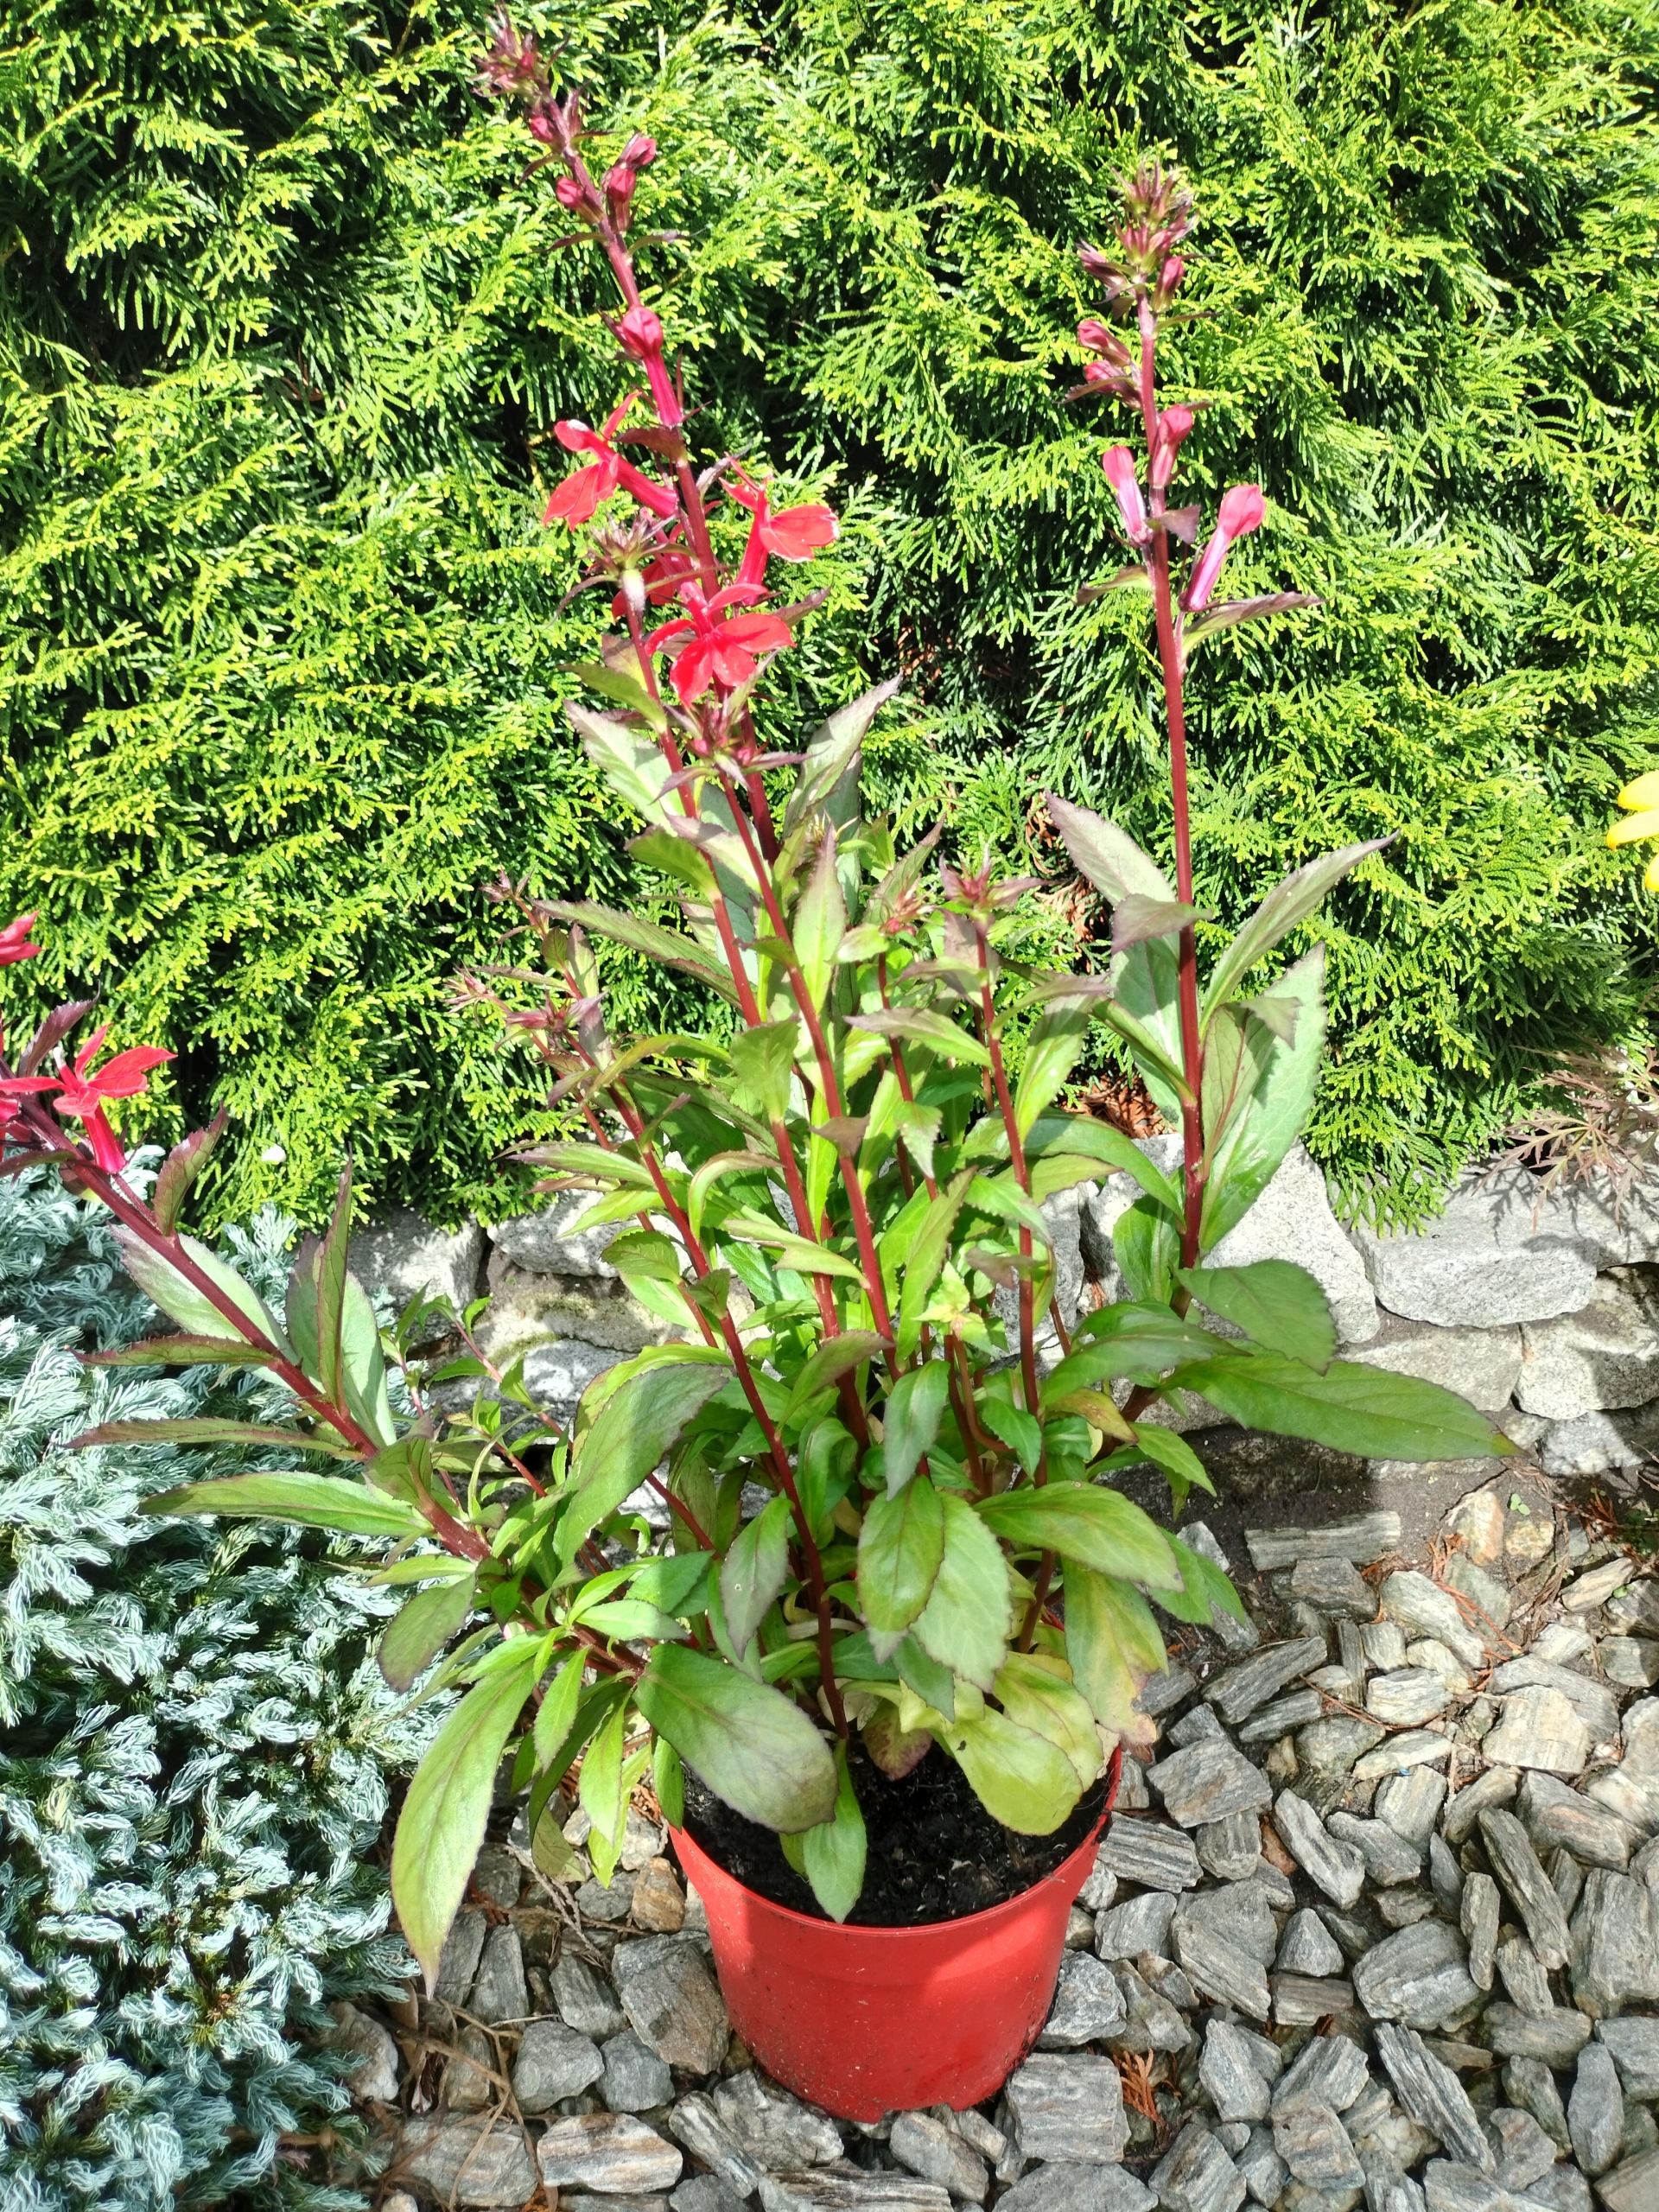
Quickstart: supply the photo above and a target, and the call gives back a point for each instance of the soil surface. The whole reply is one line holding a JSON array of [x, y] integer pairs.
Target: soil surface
[[934, 1852]]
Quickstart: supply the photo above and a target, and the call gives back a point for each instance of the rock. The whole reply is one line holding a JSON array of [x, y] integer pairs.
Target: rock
[[1196, 2175], [659, 1900], [1481, 1263], [1088, 2006], [1372, 1536], [1262, 2167], [1314, 2145], [1446, 1878], [1242, 1913], [1557, 1818], [607, 1902], [1151, 2022], [1061, 2187], [1140, 1923], [1633, 2185], [580, 2200], [1594, 1704], [586, 2001], [1495, 1788], [1428, 1651], [1482, 1365], [1418, 1976], [1099, 1888], [1307, 1946], [1515, 1865], [1388, 2190], [405, 1256], [1451, 2187], [851, 2191], [1329, 2070], [1207, 1780], [1293, 1220], [1336, 1868], [704, 2193], [1595, 1444], [553, 2061], [635, 2079], [937, 2153], [1195, 1727], [1635, 1608], [498, 1993], [1411, 1802], [1478, 1918], [1165, 1689], [468, 2085], [366, 2041], [1525, 1979], [1302, 2000], [612, 2152], [1407, 1698], [467, 2161], [1529, 2083], [1383, 1644], [1522, 2149], [695, 2122], [1563, 2188], [1557, 2037], [779, 2132], [1615, 1944], [1411, 1747], [1233, 2074], [672, 2001], [1229, 1848], [463, 1947], [1334, 1746], [1069, 2108], [1389, 1858], [1403, 1907], [1634, 2044], [1220, 1968], [1333, 1586], [1157, 1858], [1602, 1358], [1433, 2094], [1595, 2110], [1598, 1586], [1422, 1608], [1240, 1690], [1285, 1712], [1632, 1662]]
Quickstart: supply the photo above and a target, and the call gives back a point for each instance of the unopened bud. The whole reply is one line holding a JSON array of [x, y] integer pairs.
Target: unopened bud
[[619, 193], [633, 587], [1170, 276], [641, 334], [569, 194], [640, 151]]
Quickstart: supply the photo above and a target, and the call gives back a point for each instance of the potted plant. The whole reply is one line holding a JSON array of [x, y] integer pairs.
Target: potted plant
[[937, 1603]]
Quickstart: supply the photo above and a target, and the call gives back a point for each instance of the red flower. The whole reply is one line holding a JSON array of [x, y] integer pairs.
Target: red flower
[[82, 1093], [639, 334], [795, 535], [1172, 426], [1118, 465], [1242, 510], [724, 647], [14, 941], [576, 498]]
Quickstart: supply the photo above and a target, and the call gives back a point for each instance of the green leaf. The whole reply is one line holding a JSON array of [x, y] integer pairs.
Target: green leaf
[[600, 1789], [668, 1779], [967, 1620], [911, 1418], [926, 1258], [1288, 903], [820, 922], [763, 1059], [180, 1170], [183, 1351], [1277, 1304], [797, 1252], [1035, 1696], [755, 1569], [1139, 1342], [192, 1310], [1020, 1431], [832, 1854], [667, 945], [1136, 918], [1050, 1053], [1108, 856], [1203, 1586], [307, 1501], [204, 1429], [557, 1713], [627, 691], [441, 1824], [1365, 1410], [753, 1746], [1113, 1643], [899, 1549], [1097, 1528], [328, 1273], [832, 753], [1146, 1243], [1244, 1156], [415, 1636], [1069, 1135], [642, 1415], [630, 763], [633, 1620], [1020, 1778], [835, 1356], [933, 1684], [1171, 1452], [917, 1026]]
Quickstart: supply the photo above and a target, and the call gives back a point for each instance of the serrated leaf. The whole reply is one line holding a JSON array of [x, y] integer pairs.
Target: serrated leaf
[[640, 1416], [180, 1170], [752, 1745], [556, 1715], [183, 1351], [1113, 1643], [832, 1854], [910, 1419], [820, 922], [832, 753], [1289, 902], [1364, 1410], [1019, 1777], [918, 1026], [1097, 1528], [307, 1501], [754, 1571], [413, 1639], [1277, 1304], [1035, 1694], [899, 1547], [835, 1356], [668, 1780], [641, 936], [967, 1620], [193, 1311]]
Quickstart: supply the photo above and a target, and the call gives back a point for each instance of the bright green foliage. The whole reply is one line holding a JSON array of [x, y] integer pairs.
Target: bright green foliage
[[190, 1780], [282, 336]]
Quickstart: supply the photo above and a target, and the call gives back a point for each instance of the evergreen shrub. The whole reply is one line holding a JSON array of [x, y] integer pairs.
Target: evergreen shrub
[[193, 1746], [283, 332]]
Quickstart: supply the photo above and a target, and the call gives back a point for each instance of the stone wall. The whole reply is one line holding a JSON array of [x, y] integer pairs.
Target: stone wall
[[1541, 1309]]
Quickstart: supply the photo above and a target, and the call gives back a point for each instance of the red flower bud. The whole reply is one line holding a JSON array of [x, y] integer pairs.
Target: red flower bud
[[1172, 426], [1118, 465], [640, 151], [569, 194], [1170, 276]]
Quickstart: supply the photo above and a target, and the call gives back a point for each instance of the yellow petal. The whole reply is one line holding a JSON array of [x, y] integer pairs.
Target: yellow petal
[[1639, 826], [1651, 878], [1644, 792]]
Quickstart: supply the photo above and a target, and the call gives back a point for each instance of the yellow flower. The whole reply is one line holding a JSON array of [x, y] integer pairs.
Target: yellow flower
[[1643, 796]]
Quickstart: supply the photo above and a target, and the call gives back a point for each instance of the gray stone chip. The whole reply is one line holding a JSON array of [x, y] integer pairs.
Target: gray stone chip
[[1433, 2094], [1336, 1867], [1196, 2175], [553, 2062], [1145, 1851], [1069, 2108], [1207, 1780]]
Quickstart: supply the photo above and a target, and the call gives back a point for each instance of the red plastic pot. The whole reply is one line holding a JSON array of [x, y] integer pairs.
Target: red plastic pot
[[865, 2021]]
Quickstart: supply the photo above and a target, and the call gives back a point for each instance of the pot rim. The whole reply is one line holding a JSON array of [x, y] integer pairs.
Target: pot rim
[[927, 1928]]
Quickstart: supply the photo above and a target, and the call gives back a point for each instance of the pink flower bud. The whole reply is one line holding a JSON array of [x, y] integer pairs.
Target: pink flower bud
[[1169, 277], [1172, 426], [641, 334], [640, 151], [1118, 465], [1242, 510], [569, 194], [619, 193]]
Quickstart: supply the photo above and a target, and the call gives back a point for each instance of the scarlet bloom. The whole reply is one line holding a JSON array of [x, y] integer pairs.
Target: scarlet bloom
[[796, 534], [1174, 424], [1242, 510], [723, 648], [576, 498], [84, 1092], [14, 941], [1118, 465]]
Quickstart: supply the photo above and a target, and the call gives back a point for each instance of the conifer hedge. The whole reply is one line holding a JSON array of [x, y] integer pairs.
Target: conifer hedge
[[284, 331]]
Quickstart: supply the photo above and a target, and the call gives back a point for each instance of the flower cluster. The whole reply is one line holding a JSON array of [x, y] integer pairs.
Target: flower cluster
[[83, 1091]]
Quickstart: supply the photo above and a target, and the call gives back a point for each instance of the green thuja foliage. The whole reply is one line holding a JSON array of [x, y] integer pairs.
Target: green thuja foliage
[[192, 1747], [283, 332]]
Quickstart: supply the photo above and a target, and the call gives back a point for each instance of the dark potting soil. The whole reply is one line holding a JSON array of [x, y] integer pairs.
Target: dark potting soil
[[934, 1852]]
